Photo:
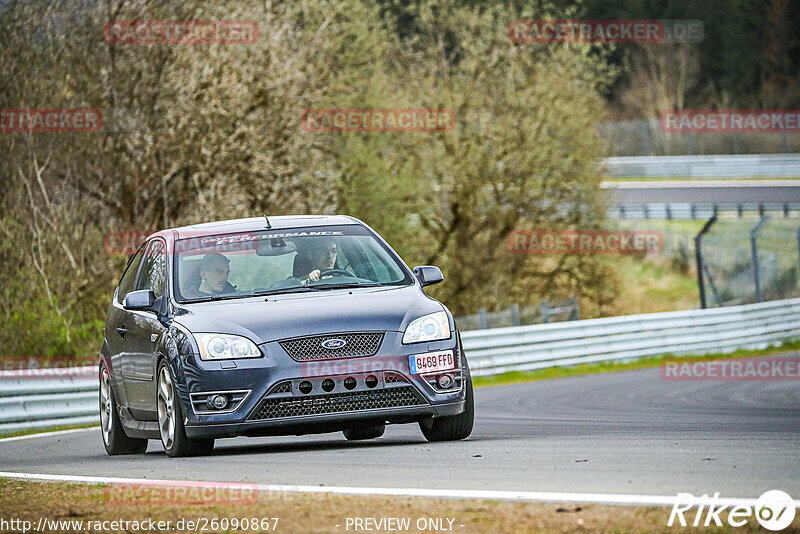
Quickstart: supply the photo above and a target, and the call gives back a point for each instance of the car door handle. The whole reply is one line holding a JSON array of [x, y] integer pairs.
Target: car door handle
[[121, 330]]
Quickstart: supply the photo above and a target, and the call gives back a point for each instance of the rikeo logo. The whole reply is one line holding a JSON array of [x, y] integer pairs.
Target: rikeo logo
[[774, 510]]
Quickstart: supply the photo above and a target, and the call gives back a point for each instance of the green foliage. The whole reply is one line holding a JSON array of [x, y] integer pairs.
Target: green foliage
[[198, 133]]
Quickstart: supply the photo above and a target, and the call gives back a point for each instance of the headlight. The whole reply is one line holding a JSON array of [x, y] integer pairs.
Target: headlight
[[225, 347], [427, 328]]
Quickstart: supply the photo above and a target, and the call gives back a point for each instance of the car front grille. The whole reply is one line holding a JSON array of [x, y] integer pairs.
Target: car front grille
[[311, 348], [283, 387], [391, 378], [397, 397]]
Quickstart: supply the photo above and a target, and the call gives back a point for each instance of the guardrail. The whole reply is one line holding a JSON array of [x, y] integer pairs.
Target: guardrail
[[720, 166], [525, 348], [516, 316], [701, 210], [32, 403]]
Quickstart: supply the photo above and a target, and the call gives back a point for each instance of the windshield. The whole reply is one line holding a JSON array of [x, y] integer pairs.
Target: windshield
[[282, 261]]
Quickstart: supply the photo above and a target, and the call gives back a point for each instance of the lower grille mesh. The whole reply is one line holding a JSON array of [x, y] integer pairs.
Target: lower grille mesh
[[341, 402]]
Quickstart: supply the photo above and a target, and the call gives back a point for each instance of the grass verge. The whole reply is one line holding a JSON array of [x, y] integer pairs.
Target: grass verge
[[306, 512], [519, 377], [48, 429]]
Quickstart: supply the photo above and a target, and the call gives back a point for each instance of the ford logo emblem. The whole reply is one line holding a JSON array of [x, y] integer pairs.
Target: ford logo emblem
[[333, 343]]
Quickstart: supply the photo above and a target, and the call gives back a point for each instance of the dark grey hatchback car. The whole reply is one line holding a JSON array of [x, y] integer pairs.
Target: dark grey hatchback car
[[276, 326]]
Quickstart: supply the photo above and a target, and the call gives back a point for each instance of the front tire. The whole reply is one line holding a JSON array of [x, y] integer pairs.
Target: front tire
[[170, 421], [453, 427], [364, 432], [115, 440]]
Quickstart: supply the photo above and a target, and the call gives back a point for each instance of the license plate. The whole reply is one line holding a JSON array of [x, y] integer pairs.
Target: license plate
[[431, 362]]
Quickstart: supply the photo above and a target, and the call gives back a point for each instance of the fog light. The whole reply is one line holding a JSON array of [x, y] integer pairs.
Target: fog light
[[349, 382], [445, 381], [328, 384], [305, 387], [217, 402]]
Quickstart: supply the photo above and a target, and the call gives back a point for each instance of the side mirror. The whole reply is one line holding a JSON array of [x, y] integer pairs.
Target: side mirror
[[140, 300], [428, 274]]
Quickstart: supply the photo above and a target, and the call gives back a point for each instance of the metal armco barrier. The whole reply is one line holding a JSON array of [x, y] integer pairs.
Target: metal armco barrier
[[629, 337], [28, 403], [722, 166]]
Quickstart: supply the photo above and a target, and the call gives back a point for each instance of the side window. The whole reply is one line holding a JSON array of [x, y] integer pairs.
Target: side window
[[129, 277], [154, 269]]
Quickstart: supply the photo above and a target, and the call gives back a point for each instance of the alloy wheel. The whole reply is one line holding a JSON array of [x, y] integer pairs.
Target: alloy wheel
[[106, 406], [166, 408]]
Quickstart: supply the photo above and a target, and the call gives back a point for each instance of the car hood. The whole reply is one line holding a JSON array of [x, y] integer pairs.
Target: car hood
[[265, 319]]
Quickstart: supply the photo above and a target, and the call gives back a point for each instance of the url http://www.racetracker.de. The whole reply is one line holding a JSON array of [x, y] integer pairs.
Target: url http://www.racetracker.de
[[201, 524]]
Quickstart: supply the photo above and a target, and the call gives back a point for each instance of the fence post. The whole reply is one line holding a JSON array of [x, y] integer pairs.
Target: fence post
[[644, 126], [514, 315], [574, 313], [545, 312], [754, 250], [483, 323], [698, 255], [798, 247]]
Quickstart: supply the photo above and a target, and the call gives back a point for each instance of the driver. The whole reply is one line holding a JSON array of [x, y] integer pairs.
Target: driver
[[213, 277], [321, 256]]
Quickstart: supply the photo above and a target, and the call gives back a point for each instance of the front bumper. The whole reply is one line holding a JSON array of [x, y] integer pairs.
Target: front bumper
[[274, 380]]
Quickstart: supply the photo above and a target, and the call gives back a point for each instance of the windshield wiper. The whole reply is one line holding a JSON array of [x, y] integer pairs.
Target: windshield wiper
[[344, 285], [213, 297], [279, 290]]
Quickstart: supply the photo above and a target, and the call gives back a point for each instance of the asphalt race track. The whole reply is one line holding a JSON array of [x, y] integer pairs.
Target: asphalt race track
[[628, 432], [733, 191]]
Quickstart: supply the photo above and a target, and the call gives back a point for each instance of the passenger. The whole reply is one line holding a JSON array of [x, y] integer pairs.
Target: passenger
[[212, 277]]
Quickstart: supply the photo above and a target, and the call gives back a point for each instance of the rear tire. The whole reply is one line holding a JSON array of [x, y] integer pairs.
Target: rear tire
[[364, 432], [115, 440], [452, 427], [170, 420]]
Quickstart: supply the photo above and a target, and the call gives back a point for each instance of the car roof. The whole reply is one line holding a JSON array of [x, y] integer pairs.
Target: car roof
[[252, 224]]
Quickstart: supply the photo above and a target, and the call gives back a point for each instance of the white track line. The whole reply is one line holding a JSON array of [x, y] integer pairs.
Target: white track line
[[46, 434], [527, 496], [670, 184]]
